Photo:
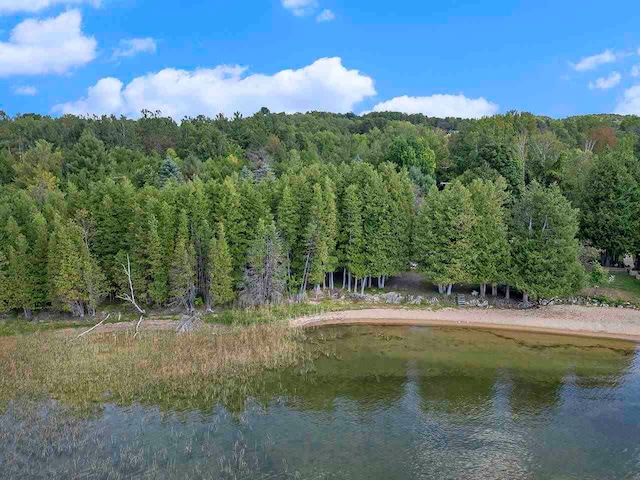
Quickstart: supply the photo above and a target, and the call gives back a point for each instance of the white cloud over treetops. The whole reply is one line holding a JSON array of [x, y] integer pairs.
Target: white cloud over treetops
[[594, 61], [630, 104], [605, 83], [8, 7], [440, 106], [53, 45], [324, 85]]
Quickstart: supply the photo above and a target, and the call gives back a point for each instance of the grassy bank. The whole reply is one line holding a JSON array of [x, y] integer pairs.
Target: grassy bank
[[184, 371]]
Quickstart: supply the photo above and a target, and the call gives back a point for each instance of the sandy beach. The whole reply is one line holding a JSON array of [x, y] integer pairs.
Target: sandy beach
[[562, 319]]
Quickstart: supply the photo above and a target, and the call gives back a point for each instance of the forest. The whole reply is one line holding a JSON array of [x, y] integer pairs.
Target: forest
[[259, 210]]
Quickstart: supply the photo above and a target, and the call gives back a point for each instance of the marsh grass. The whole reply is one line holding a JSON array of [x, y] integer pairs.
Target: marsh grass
[[197, 370], [48, 440]]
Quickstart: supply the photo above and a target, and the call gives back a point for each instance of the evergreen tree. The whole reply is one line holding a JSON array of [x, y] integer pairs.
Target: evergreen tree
[[181, 272], [220, 269], [265, 274], [330, 229], [237, 232], [158, 271], [353, 248], [317, 254], [88, 160], [545, 250], [19, 282], [490, 246], [399, 190], [377, 230], [611, 206], [169, 171], [443, 236], [39, 259], [75, 279], [288, 223]]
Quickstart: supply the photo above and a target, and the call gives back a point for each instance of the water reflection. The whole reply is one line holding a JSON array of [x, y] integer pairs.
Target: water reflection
[[378, 403]]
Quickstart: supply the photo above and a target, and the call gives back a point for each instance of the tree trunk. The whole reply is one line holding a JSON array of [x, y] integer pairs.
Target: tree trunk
[[525, 299], [28, 313], [331, 281], [494, 289], [507, 293], [349, 282], [355, 285], [363, 285], [324, 281], [77, 308], [344, 277], [449, 288], [440, 288], [483, 290]]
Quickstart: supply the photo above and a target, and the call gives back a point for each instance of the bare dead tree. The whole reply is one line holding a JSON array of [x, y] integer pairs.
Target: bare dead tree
[[589, 145], [94, 327], [138, 326], [130, 297], [521, 149]]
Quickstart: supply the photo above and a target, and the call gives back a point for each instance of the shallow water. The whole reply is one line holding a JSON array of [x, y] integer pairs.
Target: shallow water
[[383, 403]]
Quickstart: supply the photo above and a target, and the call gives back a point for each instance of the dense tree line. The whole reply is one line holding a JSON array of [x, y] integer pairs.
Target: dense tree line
[[212, 211]]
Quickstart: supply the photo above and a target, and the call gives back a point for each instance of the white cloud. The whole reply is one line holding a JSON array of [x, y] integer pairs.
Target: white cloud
[[133, 46], [300, 8], [635, 70], [54, 45], [32, 6], [440, 106], [630, 105], [605, 83], [594, 61], [324, 85], [326, 16], [28, 90]]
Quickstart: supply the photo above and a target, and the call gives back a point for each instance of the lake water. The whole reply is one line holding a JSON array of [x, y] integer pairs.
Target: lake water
[[383, 403]]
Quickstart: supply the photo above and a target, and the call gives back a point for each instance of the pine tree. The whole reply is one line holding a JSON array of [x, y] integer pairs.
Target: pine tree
[[401, 212], [19, 281], [288, 223], [353, 248], [169, 171], [236, 230], [75, 279], [38, 260], [317, 254], [544, 246], [181, 272], [220, 269], [330, 229], [158, 271], [265, 275], [377, 230], [611, 206], [490, 246], [443, 236]]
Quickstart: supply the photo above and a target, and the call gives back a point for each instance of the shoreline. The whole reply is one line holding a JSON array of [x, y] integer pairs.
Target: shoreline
[[569, 320]]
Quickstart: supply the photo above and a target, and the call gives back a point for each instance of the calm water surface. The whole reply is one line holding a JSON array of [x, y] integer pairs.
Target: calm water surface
[[383, 403]]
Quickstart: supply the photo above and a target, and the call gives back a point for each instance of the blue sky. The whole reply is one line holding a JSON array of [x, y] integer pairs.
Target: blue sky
[[463, 58]]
